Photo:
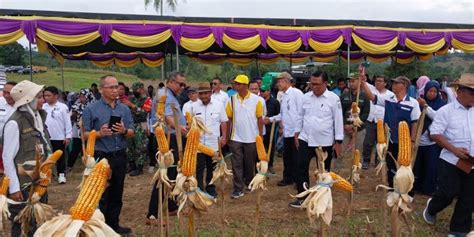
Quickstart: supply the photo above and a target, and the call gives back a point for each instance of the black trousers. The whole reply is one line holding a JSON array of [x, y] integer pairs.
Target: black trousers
[[369, 140], [391, 166], [266, 142], [172, 173], [204, 162], [152, 148], [61, 163], [290, 159], [452, 183], [425, 168], [111, 202], [305, 153], [75, 151]]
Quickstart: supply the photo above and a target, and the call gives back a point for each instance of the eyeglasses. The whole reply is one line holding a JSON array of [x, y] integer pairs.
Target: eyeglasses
[[181, 84], [214, 83]]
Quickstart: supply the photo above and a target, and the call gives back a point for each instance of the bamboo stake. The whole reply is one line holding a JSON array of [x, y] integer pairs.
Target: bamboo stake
[[191, 226], [177, 130], [222, 191], [167, 213], [257, 210], [384, 179], [321, 170], [160, 207], [270, 144], [419, 130]]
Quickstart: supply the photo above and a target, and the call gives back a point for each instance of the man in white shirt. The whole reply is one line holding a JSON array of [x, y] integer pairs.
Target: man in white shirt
[[245, 112], [319, 124], [193, 97], [376, 113], [215, 118], [291, 102], [6, 110], [453, 130], [217, 93], [58, 122]]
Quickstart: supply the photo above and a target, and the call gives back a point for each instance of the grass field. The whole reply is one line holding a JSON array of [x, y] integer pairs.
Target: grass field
[[74, 78]]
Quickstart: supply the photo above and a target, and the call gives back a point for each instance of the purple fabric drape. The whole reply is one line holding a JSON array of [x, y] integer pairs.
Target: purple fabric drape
[[376, 36]]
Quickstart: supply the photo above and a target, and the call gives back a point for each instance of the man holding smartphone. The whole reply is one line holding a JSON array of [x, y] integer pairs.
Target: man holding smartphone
[[114, 124]]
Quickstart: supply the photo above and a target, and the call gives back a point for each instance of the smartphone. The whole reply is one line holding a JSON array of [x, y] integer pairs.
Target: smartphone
[[113, 120]]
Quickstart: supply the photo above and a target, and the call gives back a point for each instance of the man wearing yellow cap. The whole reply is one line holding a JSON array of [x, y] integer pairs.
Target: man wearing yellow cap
[[245, 112]]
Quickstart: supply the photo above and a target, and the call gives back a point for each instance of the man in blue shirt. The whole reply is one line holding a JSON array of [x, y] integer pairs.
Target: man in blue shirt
[[111, 143]]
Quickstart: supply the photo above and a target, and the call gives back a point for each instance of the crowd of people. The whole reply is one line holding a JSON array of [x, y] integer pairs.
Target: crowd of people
[[32, 115]]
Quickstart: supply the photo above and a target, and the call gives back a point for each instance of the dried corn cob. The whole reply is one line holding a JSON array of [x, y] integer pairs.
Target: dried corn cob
[[356, 160], [4, 188], [340, 183], [380, 132], [206, 150], [91, 143], [354, 107], [163, 144], [189, 118], [404, 144], [160, 106], [45, 179], [188, 167], [91, 192], [262, 154]]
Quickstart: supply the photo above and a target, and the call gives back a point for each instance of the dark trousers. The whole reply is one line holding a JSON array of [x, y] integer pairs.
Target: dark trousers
[[266, 142], [204, 162], [243, 163], [15, 209], [451, 183], [425, 168], [152, 148], [391, 166], [305, 153], [61, 163], [290, 159], [369, 140], [76, 149], [172, 173], [111, 201]]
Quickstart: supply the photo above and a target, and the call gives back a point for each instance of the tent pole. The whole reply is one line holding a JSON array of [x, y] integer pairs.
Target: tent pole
[[256, 64], [291, 64], [62, 75], [31, 63], [177, 57], [171, 61], [348, 60], [339, 62]]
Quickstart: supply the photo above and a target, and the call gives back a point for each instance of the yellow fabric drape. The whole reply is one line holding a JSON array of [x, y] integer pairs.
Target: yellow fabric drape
[[241, 61], [296, 60], [123, 63], [325, 59], [11, 37], [197, 45], [283, 47], [106, 63], [425, 48], [403, 60], [153, 63], [377, 60], [269, 61], [67, 40], [326, 47], [244, 45], [425, 57], [141, 41], [462, 46], [43, 48], [374, 48]]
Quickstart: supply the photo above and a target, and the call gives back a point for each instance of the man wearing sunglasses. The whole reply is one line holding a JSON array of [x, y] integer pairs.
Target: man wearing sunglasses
[[217, 93]]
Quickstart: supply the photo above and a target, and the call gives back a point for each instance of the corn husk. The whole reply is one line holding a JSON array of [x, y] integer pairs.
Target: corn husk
[[164, 162], [187, 193], [356, 168], [220, 170], [4, 212], [260, 179], [356, 121], [382, 151]]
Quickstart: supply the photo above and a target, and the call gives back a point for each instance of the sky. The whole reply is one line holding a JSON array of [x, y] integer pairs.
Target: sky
[[439, 11]]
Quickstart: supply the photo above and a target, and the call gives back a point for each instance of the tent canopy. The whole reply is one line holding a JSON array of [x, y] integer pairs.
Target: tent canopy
[[108, 38]]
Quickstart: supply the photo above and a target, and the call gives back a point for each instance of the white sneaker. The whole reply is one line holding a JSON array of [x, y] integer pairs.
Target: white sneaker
[[151, 169], [61, 178]]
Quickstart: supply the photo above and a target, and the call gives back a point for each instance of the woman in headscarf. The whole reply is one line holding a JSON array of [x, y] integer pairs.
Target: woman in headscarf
[[86, 97], [428, 151], [420, 86]]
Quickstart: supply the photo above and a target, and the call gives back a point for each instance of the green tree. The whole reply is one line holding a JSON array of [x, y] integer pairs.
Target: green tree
[[12, 54], [158, 4]]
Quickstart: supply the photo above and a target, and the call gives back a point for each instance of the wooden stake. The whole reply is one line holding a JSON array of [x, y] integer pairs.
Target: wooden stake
[[160, 206], [257, 214], [419, 130], [223, 207], [191, 226]]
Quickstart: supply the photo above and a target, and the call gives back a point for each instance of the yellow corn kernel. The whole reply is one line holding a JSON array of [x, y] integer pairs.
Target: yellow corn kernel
[[380, 132], [404, 144], [40, 187], [354, 107], [91, 143], [188, 166], [262, 154], [4, 188], [206, 150], [188, 117], [160, 106], [55, 156], [91, 192], [163, 144], [356, 160], [340, 183]]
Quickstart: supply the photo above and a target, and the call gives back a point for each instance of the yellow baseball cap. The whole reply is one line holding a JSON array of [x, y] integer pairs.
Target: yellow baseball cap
[[242, 79]]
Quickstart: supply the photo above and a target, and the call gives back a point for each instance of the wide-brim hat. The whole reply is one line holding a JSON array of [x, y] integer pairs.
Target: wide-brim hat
[[24, 92], [402, 79], [466, 80], [204, 87]]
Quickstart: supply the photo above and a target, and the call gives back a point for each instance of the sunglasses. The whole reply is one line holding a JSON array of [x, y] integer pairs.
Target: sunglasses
[[214, 83], [181, 84]]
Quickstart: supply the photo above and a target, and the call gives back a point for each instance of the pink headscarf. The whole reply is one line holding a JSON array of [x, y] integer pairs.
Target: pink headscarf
[[420, 85]]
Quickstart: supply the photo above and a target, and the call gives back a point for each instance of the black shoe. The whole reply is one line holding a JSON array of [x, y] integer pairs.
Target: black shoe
[[123, 230], [365, 165], [296, 203], [136, 172], [284, 183], [131, 167]]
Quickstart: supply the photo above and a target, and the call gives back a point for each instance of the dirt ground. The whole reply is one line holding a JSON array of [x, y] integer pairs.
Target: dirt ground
[[276, 218]]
